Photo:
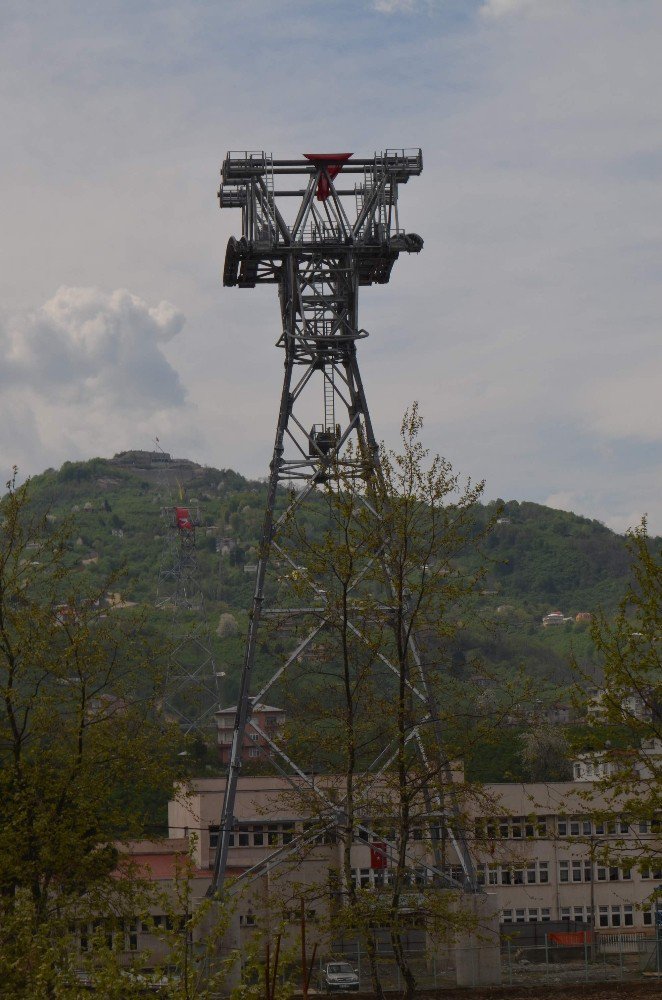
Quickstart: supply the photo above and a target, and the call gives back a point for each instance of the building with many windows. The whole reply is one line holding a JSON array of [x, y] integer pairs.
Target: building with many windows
[[269, 722], [542, 855]]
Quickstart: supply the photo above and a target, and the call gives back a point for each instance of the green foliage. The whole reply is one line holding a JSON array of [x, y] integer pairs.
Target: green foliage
[[624, 729], [538, 560], [81, 744]]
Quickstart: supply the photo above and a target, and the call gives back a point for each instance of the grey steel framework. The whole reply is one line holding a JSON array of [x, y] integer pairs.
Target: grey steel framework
[[192, 694], [340, 238]]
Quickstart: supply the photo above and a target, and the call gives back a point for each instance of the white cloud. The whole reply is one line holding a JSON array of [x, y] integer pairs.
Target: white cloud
[[84, 372], [86, 345]]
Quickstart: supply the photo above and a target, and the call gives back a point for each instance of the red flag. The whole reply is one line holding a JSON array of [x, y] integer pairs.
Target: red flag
[[184, 522], [378, 857], [332, 163]]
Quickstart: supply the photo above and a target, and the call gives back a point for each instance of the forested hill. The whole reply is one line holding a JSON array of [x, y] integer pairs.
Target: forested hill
[[541, 559]]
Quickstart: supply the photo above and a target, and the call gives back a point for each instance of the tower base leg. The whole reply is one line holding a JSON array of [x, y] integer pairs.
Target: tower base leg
[[478, 953], [223, 953]]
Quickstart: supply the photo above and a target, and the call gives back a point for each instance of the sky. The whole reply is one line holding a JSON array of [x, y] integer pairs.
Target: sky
[[528, 329]]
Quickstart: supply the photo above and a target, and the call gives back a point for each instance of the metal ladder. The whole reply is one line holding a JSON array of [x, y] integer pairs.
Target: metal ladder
[[329, 399]]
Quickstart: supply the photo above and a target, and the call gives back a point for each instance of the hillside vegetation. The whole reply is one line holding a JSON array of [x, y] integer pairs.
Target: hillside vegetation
[[540, 560]]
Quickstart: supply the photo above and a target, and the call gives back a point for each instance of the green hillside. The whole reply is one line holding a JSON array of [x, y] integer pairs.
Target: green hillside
[[540, 559]]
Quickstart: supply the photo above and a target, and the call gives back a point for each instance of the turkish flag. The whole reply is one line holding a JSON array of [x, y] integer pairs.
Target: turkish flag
[[378, 857]]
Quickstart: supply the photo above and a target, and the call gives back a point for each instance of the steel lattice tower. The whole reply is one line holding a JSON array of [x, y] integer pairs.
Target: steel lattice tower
[[192, 694], [339, 239]]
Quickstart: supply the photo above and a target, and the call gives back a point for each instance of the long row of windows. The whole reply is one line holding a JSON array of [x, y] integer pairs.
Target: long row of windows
[[528, 827], [370, 878], [527, 915], [255, 835], [532, 873], [614, 915], [581, 871], [120, 935], [511, 827]]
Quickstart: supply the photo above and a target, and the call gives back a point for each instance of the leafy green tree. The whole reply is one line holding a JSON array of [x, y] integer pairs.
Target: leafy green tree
[[384, 565], [623, 735], [81, 749]]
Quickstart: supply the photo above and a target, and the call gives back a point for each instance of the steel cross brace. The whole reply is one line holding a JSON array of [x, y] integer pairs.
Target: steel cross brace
[[318, 268]]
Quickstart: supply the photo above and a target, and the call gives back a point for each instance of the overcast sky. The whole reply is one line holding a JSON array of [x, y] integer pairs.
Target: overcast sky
[[529, 327]]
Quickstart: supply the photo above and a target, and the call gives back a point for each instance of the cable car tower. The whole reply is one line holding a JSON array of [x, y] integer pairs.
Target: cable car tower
[[340, 236], [192, 693]]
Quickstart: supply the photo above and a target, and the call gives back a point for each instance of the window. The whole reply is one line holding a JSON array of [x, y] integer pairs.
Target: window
[[543, 868], [643, 826], [545, 914], [565, 913], [131, 935], [503, 828], [533, 916], [253, 737], [258, 836], [615, 916], [586, 827], [247, 920], [602, 873], [613, 874], [253, 751], [520, 916], [516, 827], [628, 915], [506, 916], [243, 839], [603, 916], [574, 827], [562, 828], [213, 837], [626, 874], [599, 828], [518, 876], [564, 871], [578, 913]]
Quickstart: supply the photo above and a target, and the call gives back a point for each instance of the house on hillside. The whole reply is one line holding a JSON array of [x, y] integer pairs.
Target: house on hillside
[[266, 723]]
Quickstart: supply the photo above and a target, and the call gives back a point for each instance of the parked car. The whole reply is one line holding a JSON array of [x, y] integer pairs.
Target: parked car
[[336, 977]]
